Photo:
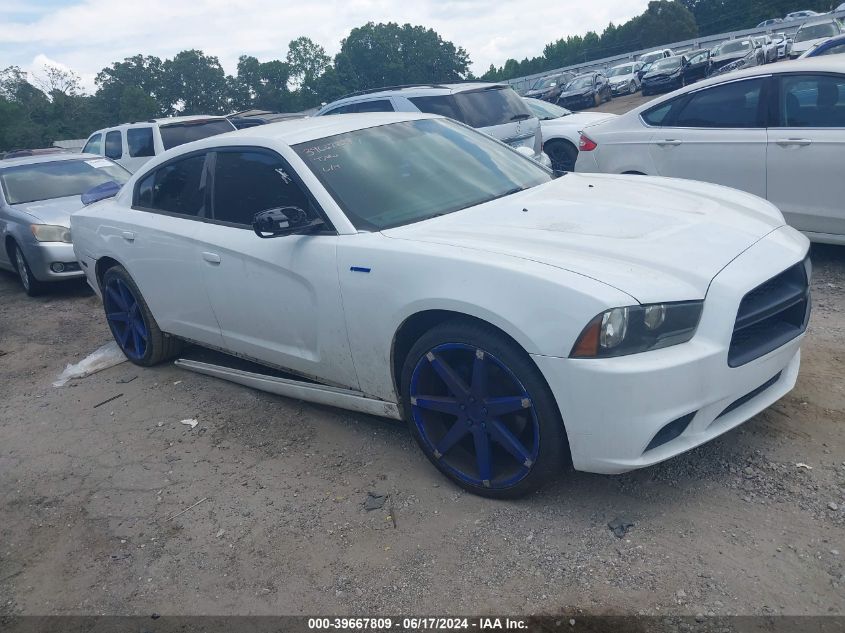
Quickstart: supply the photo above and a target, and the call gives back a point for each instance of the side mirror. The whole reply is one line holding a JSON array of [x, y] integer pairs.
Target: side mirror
[[100, 192], [283, 221]]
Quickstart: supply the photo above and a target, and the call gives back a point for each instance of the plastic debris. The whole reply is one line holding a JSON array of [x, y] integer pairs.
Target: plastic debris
[[374, 501], [102, 358], [190, 423], [620, 526]]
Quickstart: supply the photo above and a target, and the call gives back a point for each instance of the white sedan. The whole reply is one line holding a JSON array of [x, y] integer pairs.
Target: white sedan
[[775, 131], [408, 266]]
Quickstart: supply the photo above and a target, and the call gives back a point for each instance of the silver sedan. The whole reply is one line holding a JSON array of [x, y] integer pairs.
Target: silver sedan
[[37, 196]]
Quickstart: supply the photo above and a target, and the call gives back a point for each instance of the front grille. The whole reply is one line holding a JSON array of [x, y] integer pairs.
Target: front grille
[[771, 315]]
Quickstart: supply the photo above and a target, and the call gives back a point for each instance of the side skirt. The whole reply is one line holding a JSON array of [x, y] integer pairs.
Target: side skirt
[[309, 392]]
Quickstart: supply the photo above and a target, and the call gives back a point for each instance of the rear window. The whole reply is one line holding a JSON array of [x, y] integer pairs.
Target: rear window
[[477, 108], [58, 179], [175, 134]]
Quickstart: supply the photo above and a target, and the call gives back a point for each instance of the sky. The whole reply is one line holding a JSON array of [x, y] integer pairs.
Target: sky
[[88, 35]]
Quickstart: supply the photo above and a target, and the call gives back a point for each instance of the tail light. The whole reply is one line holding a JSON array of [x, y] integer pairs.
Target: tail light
[[586, 144]]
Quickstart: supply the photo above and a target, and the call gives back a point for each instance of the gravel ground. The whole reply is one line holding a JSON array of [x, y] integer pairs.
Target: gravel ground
[[270, 493]]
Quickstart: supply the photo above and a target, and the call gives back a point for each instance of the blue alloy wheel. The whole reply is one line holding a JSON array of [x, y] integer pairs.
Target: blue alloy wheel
[[474, 415], [126, 319]]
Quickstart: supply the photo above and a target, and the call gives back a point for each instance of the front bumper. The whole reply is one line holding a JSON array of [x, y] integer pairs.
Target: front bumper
[[662, 85], [621, 88], [42, 255], [577, 102], [614, 408]]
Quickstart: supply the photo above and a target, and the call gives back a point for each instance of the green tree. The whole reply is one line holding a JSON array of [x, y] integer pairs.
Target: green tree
[[306, 62], [138, 72], [193, 83]]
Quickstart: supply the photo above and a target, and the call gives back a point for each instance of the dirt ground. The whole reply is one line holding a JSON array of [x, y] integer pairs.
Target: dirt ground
[[270, 493]]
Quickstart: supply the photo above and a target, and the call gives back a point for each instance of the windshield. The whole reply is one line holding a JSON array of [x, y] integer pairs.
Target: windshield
[[816, 31], [183, 132], [406, 172], [733, 47], [667, 64], [584, 81], [545, 111], [477, 108], [620, 71], [546, 82], [58, 179]]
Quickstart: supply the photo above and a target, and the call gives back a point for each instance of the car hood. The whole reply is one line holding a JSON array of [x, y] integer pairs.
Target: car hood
[[575, 93], [800, 47], [621, 79], [721, 60], [56, 211], [654, 74], [656, 239]]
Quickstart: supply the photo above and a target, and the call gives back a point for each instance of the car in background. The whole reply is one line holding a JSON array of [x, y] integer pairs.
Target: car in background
[[494, 109], [699, 65], [43, 151], [253, 118], [782, 43], [624, 78], [653, 56], [38, 194], [813, 33], [770, 50], [800, 15], [410, 267], [133, 144], [777, 132], [666, 74], [549, 88], [588, 90], [736, 54], [832, 46], [767, 23], [562, 131]]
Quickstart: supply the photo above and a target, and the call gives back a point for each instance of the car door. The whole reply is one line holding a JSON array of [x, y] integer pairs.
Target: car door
[[155, 240], [277, 300], [806, 146], [140, 147], [717, 134]]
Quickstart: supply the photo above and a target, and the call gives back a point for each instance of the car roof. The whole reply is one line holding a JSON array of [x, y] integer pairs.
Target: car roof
[[159, 121], [822, 19], [296, 131], [417, 89], [45, 158]]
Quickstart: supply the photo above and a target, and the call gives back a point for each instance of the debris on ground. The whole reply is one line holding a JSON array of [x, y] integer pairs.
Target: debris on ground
[[220, 532], [106, 356], [833, 505], [620, 526], [803, 465], [374, 501], [191, 423], [188, 508], [124, 381], [112, 399]]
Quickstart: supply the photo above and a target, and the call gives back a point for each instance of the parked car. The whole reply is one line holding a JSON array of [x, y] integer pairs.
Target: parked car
[[494, 109], [252, 118], [585, 91], [624, 79], [632, 319], [767, 23], [562, 131], [699, 65], [782, 43], [832, 46], [735, 54], [38, 194], [770, 51], [133, 144], [776, 132], [666, 74], [653, 56], [800, 15], [549, 88], [813, 33]]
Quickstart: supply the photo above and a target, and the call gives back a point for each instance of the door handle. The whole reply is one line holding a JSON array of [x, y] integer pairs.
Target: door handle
[[669, 142], [801, 142], [129, 236], [211, 258]]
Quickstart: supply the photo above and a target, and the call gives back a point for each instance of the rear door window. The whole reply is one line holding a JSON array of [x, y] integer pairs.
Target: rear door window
[[114, 145], [176, 187], [139, 140], [94, 145], [733, 105], [812, 101]]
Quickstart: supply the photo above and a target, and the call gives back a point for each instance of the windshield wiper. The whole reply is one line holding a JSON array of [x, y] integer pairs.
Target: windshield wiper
[[520, 117]]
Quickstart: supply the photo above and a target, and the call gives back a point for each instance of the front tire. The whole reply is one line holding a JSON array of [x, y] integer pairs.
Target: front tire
[[31, 286], [481, 411], [132, 324]]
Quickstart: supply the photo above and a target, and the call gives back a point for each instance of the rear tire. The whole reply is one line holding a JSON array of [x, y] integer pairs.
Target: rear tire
[[562, 154], [31, 285], [481, 411], [132, 324]]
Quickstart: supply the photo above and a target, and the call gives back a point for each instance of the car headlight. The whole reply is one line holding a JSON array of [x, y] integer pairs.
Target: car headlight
[[50, 233], [635, 329]]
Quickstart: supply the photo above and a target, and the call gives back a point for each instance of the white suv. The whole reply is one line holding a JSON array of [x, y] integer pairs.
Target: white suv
[[133, 144], [494, 109]]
